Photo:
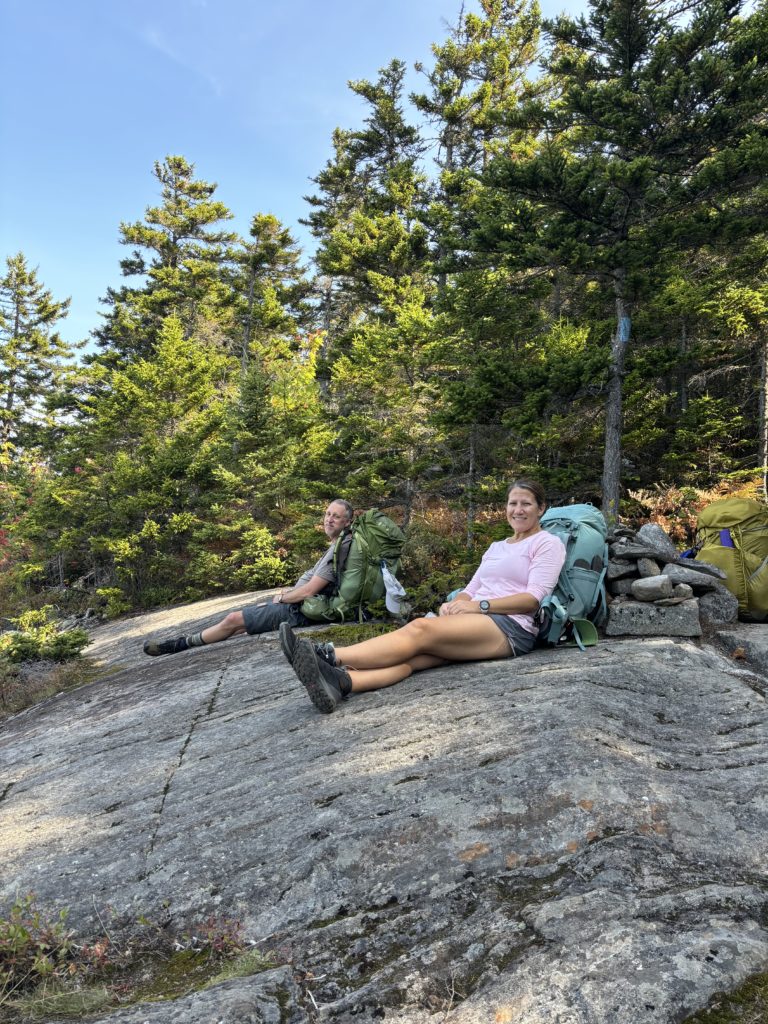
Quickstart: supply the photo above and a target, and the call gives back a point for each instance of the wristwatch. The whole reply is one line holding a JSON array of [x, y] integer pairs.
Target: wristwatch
[[485, 607]]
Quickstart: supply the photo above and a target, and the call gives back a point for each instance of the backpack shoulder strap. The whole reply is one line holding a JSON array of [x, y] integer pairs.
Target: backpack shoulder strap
[[341, 551]]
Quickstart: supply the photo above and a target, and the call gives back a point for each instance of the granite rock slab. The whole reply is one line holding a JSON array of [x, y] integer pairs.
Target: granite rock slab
[[718, 608], [648, 567], [699, 566], [619, 569], [640, 618], [622, 587], [634, 550], [699, 581], [747, 642], [655, 536], [652, 588], [565, 837]]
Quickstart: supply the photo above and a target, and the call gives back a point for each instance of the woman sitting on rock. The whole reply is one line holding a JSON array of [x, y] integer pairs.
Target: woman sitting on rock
[[491, 618]]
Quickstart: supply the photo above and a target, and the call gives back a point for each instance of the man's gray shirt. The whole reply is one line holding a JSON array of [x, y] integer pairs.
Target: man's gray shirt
[[322, 568]]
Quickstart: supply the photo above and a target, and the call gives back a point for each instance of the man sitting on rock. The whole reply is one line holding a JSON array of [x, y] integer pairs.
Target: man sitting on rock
[[266, 616]]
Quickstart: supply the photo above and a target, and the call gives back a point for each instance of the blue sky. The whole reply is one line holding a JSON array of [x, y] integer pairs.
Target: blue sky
[[95, 91]]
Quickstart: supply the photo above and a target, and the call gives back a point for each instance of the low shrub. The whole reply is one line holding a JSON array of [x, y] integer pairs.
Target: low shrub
[[37, 638], [45, 971], [27, 683], [676, 509], [32, 947]]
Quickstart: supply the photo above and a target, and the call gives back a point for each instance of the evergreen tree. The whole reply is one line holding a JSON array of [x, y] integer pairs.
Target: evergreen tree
[[387, 389], [271, 290], [180, 252], [480, 74], [368, 216], [33, 358], [658, 115], [135, 473], [340, 194]]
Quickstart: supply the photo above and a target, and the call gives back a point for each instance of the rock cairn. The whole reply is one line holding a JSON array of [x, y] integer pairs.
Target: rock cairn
[[654, 592]]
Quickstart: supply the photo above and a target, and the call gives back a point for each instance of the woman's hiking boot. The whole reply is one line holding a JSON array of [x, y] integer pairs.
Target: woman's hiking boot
[[327, 686], [288, 641], [327, 652]]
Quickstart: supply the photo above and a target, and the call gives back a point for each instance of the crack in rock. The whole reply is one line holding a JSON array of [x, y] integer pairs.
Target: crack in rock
[[204, 713]]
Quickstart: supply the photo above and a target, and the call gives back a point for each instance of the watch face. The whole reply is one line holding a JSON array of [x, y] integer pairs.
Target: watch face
[[485, 606]]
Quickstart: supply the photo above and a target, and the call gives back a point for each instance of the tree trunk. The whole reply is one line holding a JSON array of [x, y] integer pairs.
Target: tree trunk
[[408, 502], [762, 453], [613, 404], [682, 373], [471, 492], [248, 325]]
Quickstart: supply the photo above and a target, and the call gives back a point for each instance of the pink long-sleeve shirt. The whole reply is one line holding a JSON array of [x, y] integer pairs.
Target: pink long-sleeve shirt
[[529, 566]]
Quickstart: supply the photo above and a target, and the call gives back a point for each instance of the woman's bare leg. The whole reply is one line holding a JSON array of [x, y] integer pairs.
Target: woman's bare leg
[[377, 678], [452, 638]]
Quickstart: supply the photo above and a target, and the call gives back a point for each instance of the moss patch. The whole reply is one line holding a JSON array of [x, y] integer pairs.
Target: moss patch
[[151, 978], [746, 1005], [252, 962], [342, 635], [47, 1003]]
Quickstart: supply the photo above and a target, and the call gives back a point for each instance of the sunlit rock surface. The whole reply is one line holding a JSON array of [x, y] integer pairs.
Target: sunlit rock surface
[[571, 837]]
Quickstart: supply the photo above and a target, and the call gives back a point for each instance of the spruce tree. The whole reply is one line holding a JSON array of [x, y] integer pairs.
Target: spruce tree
[[33, 357], [658, 119], [368, 216], [270, 287], [181, 252], [479, 76]]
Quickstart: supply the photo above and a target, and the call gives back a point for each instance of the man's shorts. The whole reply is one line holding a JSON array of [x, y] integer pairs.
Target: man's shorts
[[266, 617]]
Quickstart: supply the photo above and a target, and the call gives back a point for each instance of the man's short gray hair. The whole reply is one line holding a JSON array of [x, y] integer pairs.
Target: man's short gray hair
[[347, 507]]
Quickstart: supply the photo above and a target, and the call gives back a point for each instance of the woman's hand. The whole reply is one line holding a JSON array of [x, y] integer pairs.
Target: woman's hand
[[459, 608]]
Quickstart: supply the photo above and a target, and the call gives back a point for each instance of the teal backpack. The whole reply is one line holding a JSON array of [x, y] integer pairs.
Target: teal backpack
[[371, 542], [578, 603]]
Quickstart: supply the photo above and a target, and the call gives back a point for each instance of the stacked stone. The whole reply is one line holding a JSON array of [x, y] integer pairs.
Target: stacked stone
[[654, 592]]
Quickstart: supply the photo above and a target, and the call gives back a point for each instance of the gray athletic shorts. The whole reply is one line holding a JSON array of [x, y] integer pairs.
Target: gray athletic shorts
[[267, 616], [520, 640]]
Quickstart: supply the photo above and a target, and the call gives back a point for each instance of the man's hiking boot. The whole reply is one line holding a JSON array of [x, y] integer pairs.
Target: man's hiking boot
[[327, 686], [288, 641], [157, 647]]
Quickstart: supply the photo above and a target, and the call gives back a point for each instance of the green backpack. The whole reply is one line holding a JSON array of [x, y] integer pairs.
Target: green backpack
[[578, 603], [372, 541], [732, 533]]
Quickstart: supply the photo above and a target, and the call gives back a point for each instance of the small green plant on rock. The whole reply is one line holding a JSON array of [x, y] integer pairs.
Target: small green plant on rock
[[114, 601], [32, 948], [344, 634], [37, 638], [45, 971]]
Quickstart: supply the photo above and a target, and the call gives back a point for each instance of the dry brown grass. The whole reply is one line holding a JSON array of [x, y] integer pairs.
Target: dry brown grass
[[22, 686]]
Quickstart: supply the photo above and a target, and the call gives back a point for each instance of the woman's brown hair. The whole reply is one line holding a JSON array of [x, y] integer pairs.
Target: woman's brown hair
[[530, 485]]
